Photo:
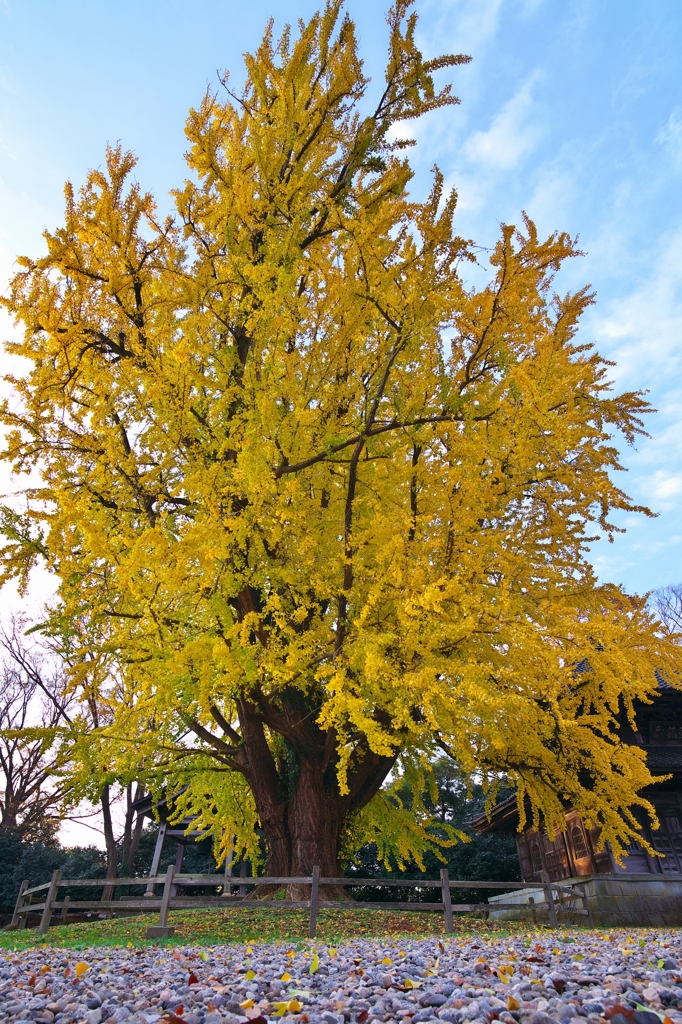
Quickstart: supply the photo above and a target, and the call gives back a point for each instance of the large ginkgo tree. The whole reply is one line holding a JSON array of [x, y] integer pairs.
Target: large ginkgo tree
[[318, 511]]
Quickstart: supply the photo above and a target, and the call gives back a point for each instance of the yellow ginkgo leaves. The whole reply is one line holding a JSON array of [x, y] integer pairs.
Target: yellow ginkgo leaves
[[290, 1006], [286, 465]]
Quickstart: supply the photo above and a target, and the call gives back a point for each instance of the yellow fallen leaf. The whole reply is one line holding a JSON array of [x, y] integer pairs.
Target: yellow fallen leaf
[[286, 976], [203, 955], [44, 969], [80, 969], [408, 983], [385, 960], [248, 949], [294, 1006], [250, 974], [332, 951], [314, 964], [247, 1004], [280, 1008], [513, 1004]]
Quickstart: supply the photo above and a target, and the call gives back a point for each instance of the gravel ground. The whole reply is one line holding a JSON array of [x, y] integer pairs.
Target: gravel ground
[[542, 978]]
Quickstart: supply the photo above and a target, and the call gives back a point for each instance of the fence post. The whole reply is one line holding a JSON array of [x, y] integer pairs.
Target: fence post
[[65, 910], [50, 898], [16, 916], [533, 910], [547, 886], [161, 930], [312, 927], [586, 906], [447, 898]]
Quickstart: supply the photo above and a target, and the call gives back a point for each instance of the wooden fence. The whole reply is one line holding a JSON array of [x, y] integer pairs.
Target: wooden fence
[[558, 898]]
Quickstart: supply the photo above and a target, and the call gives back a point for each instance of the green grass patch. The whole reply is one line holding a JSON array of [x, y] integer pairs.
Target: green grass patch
[[213, 927]]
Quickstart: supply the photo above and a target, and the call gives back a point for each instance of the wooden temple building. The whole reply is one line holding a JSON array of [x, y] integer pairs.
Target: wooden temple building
[[574, 852]]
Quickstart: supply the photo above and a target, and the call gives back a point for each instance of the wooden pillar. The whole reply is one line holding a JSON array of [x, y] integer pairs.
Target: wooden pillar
[[156, 859], [161, 930], [179, 858]]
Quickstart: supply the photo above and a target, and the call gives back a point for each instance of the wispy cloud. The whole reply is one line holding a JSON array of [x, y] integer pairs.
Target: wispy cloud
[[671, 135], [512, 134]]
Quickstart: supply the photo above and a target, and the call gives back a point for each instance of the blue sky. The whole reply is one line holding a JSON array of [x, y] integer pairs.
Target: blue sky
[[571, 110]]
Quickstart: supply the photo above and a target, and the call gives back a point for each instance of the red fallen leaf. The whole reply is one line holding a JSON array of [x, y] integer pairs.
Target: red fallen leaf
[[259, 1020], [627, 1012], [179, 1010], [170, 1018], [441, 947], [538, 948], [362, 1017], [559, 984], [192, 980], [533, 959]]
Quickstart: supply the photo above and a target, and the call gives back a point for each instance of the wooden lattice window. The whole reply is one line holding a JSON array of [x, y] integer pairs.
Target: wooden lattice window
[[579, 844]]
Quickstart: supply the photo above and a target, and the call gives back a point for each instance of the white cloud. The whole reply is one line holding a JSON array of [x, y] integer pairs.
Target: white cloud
[[512, 133], [671, 135], [643, 330], [465, 25], [666, 485]]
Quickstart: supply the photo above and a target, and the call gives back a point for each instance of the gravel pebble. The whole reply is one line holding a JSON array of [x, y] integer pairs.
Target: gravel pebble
[[542, 978]]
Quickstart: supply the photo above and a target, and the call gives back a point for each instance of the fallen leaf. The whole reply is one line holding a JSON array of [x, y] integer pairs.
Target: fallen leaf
[[170, 1018], [626, 1011], [247, 1004], [67, 972], [314, 964], [192, 980], [385, 960], [259, 1020], [441, 947], [408, 983], [294, 1006], [285, 977], [249, 975], [513, 1004], [332, 951], [44, 969], [362, 1017], [204, 955], [31, 980], [559, 984], [80, 969]]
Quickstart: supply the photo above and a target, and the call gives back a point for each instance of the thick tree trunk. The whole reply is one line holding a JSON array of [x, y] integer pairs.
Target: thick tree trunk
[[300, 807]]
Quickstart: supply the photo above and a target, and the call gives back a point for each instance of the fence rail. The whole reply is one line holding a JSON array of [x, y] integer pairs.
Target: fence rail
[[169, 900]]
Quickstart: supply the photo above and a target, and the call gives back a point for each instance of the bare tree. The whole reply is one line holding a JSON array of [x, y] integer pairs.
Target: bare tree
[[667, 603], [30, 789]]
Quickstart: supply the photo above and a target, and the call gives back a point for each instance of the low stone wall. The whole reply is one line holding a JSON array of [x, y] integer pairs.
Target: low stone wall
[[614, 900]]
